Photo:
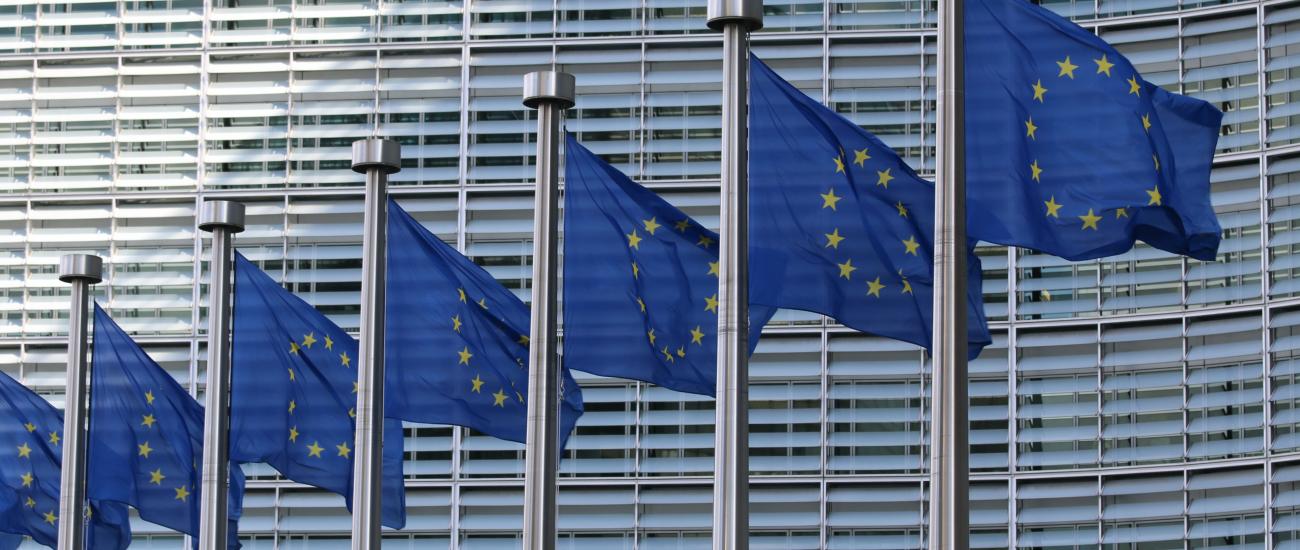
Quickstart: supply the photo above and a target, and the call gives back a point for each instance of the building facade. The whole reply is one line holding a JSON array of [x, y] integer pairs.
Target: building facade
[[1138, 402]]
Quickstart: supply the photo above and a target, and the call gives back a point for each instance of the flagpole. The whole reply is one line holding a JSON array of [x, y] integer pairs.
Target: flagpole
[[80, 271], [223, 219], [736, 19], [949, 402], [549, 92], [376, 158]]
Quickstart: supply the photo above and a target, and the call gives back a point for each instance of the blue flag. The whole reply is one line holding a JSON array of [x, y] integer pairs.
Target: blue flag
[[640, 282], [839, 224], [146, 437], [457, 340], [1070, 152], [31, 451], [293, 402]]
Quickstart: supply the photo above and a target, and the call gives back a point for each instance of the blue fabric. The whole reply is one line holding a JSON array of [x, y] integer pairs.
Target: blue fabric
[[146, 437], [839, 225], [31, 436], [1058, 156], [293, 402], [640, 282], [10, 542], [457, 340]]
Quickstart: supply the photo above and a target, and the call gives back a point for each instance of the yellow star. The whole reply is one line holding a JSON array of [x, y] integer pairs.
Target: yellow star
[[148, 398], [902, 210], [634, 240], [667, 355], [839, 165], [829, 199], [1090, 220], [329, 344], [314, 449], [873, 287], [833, 239], [308, 340], [145, 449], [455, 323], [705, 241], [464, 356], [1146, 122], [294, 404], [711, 303], [1067, 68], [293, 347], [1039, 91], [1133, 86], [345, 360], [1156, 160], [1053, 207], [31, 503], [24, 451], [32, 427], [681, 225], [352, 412], [50, 518], [156, 477], [478, 384], [54, 438], [293, 434], [651, 335], [344, 450], [883, 177], [713, 269], [636, 271], [860, 157], [912, 245], [847, 269], [641, 303], [461, 291], [650, 225], [681, 351], [499, 398], [1031, 130], [292, 376], [1121, 213], [697, 335], [148, 421], [519, 396], [1154, 195], [1035, 172], [182, 494], [907, 286], [26, 479], [354, 386], [522, 340], [1103, 65], [482, 302]]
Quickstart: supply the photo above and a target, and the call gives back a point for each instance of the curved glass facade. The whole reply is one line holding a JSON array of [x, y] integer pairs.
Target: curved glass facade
[[1144, 401]]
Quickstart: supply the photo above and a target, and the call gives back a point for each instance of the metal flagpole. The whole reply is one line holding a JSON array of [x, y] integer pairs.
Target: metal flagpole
[[549, 92], [376, 158], [736, 19], [949, 454], [223, 219], [81, 271]]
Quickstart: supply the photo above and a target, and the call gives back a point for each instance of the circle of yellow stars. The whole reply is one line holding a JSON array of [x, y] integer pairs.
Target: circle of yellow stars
[[829, 200]]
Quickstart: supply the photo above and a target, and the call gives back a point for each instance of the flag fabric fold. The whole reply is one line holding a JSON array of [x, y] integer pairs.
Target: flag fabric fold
[[293, 398], [457, 347], [145, 442], [1070, 152], [31, 451], [839, 224], [640, 282]]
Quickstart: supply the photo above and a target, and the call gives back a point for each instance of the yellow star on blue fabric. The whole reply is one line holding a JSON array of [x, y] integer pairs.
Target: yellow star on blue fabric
[[873, 287], [829, 199], [650, 225], [883, 177], [847, 269], [911, 245], [860, 157], [1052, 207], [1040, 93], [833, 239], [1133, 86], [1103, 65], [1067, 68], [1090, 220]]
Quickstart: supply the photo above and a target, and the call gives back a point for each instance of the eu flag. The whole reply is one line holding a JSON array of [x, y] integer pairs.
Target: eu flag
[[31, 437], [640, 282], [839, 224], [146, 437], [457, 340], [293, 397], [1070, 152]]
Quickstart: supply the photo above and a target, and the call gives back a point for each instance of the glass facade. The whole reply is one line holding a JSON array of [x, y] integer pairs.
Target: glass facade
[[1143, 401]]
